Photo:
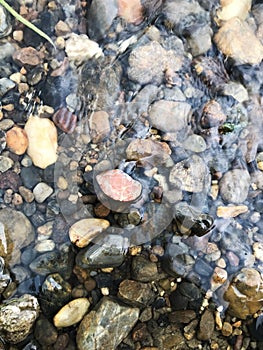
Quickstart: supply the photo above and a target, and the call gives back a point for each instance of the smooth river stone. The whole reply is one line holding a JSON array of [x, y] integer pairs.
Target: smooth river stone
[[42, 141], [71, 313], [16, 140], [83, 231], [119, 186]]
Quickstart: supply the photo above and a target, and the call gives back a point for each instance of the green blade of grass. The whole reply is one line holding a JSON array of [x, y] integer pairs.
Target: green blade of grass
[[26, 22]]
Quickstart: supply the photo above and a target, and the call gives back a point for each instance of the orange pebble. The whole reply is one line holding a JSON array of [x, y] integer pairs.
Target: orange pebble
[[16, 140]]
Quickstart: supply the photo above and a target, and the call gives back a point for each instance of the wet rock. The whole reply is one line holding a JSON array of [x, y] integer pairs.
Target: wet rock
[[195, 143], [100, 17], [19, 233], [42, 141], [42, 191], [55, 293], [55, 261], [143, 270], [5, 86], [233, 8], [82, 232], [212, 115], [136, 293], [234, 186], [80, 48], [106, 252], [5, 163], [236, 90], [232, 39], [148, 63], [5, 23], [206, 326], [200, 40], [148, 151], [65, 120], [190, 174], [16, 140], [231, 211], [17, 317], [30, 176], [170, 116], [93, 333], [46, 245], [117, 188], [245, 293], [131, 11], [45, 332], [182, 316], [99, 126], [28, 56], [26, 194], [71, 313]]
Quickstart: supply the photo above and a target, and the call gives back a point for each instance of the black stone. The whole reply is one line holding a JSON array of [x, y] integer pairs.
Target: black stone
[[30, 176]]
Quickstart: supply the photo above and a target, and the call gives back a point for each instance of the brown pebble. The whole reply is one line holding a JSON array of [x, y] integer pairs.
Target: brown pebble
[[16, 140], [28, 56], [61, 342], [131, 11], [227, 329], [90, 284], [17, 199], [65, 120], [101, 211], [212, 115], [153, 258], [10, 179]]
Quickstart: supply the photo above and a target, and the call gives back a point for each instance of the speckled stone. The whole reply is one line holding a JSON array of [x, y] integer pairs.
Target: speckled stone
[[106, 327], [6, 163]]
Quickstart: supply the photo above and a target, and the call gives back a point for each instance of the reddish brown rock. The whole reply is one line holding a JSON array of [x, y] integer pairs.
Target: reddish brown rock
[[65, 120], [16, 140], [99, 126], [212, 115], [131, 11], [119, 186], [28, 56], [10, 179]]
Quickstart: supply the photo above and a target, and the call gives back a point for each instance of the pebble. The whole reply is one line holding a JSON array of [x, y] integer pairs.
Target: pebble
[[119, 186], [62, 28], [195, 143], [65, 120], [44, 331], [143, 270], [170, 116], [42, 191], [136, 293], [84, 231], [5, 163], [10, 180], [20, 233], [231, 211], [206, 326], [99, 328], [190, 174], [258, 250], [234, 186], [232, 39], [233, 8], [46, 245], [16, 140], [245, 293], [17, 317], [131, 11], [5, 86], [71, 313], [79, 48], [6, 124], [28, 56], [99, 126], [5, 23], [148, 63], [42, 141], [227, 329]]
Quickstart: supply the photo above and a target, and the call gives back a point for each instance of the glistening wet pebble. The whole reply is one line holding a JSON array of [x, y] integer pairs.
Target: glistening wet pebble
[[131, 176]]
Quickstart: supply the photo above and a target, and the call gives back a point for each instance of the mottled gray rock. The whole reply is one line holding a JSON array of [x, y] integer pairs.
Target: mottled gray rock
[[5, 163], [107, 326], [19, 233], [6, 85], [17, 317], [170, 116], [148, 63], [190, 175], [45, 333], [234, 186], [5, 23], [195, 143], [100, 16]]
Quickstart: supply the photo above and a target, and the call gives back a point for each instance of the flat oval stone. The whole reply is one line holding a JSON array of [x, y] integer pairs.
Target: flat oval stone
[[119, 186], [71, 313], [83, 231], [16, 140]]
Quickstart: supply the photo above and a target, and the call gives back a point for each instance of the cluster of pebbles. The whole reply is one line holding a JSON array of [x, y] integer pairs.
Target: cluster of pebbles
[[131, 175]]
